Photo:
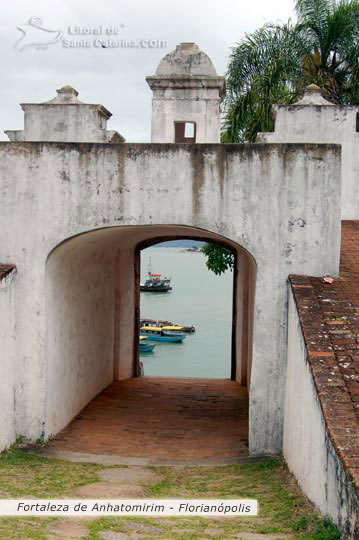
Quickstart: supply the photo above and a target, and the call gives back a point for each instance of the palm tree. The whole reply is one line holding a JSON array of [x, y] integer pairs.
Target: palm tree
[[263, 70], [274, 64], [331, 31]]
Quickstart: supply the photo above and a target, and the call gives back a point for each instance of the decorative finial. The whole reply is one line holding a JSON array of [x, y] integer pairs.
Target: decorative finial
[[67, 90], [313, 96], [312, 88], [65, 96]]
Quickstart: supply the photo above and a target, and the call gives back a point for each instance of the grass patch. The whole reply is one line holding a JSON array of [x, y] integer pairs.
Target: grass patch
[[282, 507], [23, 528], [27, 474]]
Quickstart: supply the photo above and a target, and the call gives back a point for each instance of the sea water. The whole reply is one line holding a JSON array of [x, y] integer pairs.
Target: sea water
[[199, 297]]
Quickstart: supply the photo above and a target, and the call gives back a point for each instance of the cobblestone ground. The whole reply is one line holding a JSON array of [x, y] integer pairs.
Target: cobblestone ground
[[162, 418]]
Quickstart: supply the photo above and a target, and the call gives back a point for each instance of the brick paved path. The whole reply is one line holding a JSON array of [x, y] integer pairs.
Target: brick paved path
[[162, 418]]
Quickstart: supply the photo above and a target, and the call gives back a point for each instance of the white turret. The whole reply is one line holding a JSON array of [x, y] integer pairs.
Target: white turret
[[187, 93]]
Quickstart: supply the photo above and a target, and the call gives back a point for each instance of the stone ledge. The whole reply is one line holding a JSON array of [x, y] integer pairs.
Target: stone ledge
[[329, 319], [328, 331]]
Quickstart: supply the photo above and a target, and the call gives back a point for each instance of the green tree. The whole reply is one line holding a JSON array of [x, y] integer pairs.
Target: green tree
[[219, 259], [331, 32], [263, 70], [274, 64]]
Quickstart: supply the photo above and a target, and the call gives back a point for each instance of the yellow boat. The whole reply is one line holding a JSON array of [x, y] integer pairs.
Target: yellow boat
[[166, 333]]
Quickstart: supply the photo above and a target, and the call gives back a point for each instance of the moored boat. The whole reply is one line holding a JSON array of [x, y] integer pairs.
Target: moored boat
[[165, 333], [154, 282], [145, 346], [160, 324]]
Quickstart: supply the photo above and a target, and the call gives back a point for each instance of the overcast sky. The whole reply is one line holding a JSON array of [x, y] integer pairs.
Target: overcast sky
[[113, 76]]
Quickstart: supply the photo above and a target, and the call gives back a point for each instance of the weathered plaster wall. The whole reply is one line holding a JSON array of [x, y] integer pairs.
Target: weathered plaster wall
[[124, 357], [65, 119], [279, 202], [324, 124], [8, 360], [245, 296], [80, 307], [52, 122], [199, 106], [306, 444]]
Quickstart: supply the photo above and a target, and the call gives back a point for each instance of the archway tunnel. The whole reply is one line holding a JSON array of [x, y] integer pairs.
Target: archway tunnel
[[92, 303]]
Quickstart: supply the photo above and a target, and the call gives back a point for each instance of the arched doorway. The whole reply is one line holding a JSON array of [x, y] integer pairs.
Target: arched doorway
[[197, 299], [92, 301]]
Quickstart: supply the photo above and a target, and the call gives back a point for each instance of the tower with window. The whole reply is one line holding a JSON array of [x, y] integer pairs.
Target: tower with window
[[187, 93]]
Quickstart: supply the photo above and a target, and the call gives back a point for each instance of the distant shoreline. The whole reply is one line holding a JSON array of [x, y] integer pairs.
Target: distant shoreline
[[180, 244]]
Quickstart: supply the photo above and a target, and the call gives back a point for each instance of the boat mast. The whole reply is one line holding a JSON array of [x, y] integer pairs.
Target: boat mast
[[149, 271]]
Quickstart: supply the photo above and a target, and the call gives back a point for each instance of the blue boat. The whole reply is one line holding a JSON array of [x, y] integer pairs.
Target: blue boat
[[164, 333], [145, 346]]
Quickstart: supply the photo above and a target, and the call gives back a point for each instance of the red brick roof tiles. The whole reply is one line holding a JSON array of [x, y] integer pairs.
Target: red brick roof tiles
[[329, 318]]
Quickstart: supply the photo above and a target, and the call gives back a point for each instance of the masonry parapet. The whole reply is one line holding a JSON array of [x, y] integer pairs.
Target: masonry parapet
[[313, 119], [65, 119]]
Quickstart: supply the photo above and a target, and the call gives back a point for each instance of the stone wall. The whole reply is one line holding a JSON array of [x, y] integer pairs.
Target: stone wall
[[8, 356], [80, 304], [278, 203], [315, 120], [321, 425]]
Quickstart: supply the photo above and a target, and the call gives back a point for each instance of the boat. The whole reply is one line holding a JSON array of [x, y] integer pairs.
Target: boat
[[145, 346], [154, 282], [164, 333], [160, 323]]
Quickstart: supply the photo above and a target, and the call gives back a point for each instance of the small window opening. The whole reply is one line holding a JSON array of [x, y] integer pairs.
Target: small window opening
[[357, 123], [189, 130], [185, 132]]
